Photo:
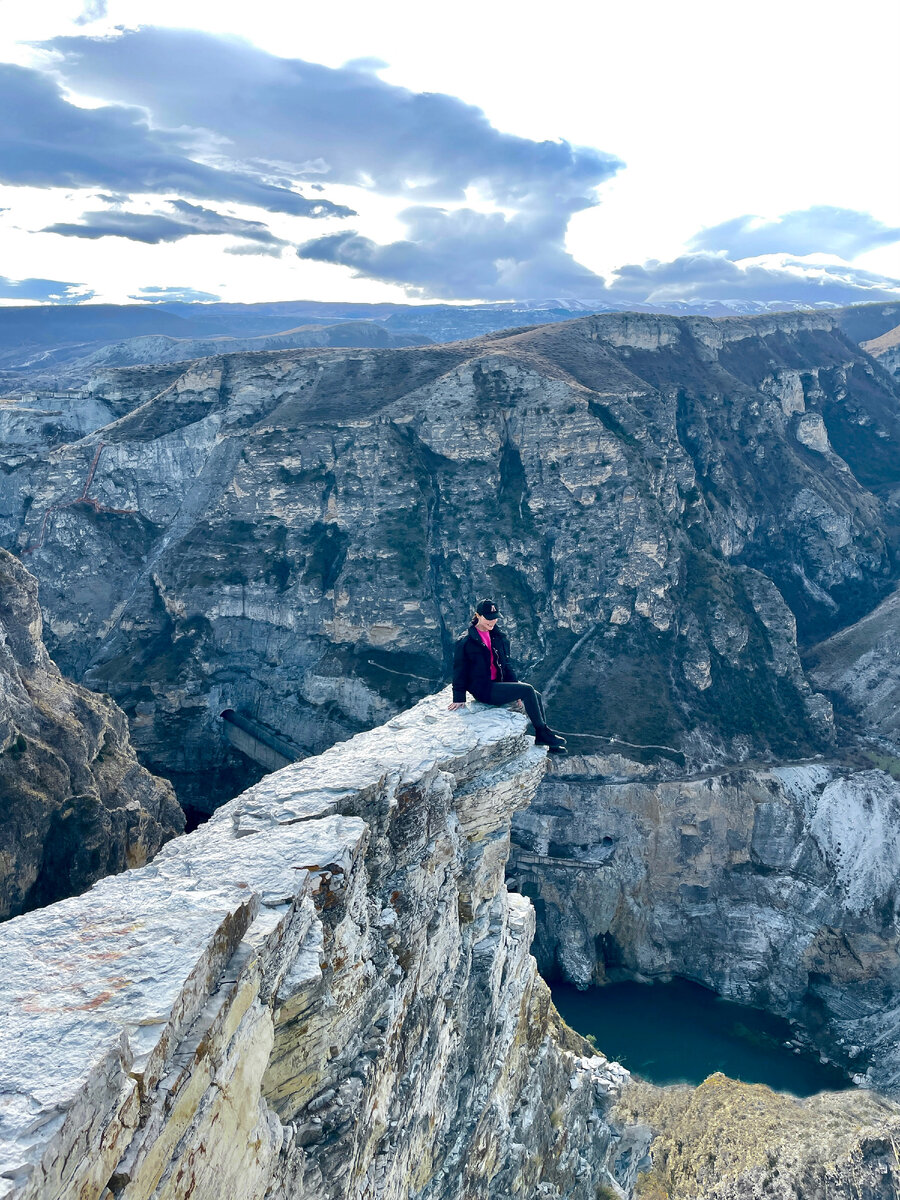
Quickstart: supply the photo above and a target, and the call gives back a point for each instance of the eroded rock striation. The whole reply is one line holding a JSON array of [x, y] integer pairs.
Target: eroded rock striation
[[664, 505], [75, 804], [773, 887], [323, 992]]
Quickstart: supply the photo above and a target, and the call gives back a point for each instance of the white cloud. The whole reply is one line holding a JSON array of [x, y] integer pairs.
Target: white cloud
[[683, 93]]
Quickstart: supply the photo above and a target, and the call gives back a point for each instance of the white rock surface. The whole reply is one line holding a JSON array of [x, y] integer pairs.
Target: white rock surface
[[325, 991]]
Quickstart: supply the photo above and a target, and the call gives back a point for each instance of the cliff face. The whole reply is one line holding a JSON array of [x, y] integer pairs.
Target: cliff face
[[323, 992], [859, 667], [776, 888], [75, 805], [886, 350], [659, 504]]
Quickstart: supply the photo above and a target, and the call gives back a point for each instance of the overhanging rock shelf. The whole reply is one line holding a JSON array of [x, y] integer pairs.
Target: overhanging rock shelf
[[324, 991]]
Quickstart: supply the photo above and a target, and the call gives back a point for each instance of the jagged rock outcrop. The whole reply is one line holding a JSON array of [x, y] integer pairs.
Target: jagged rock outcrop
[[323, 992], [75, 805], [860, 667], [777, 888], [660, 503], [886, 350]]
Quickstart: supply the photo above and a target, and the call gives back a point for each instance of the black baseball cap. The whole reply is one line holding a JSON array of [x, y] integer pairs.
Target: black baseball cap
[[489, 610]]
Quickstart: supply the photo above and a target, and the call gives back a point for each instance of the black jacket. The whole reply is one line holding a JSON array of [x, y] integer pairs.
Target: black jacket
[[472, 664]]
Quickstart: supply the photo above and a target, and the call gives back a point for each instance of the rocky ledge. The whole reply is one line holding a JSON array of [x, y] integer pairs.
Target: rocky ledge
[[75, 804], [325, 991]]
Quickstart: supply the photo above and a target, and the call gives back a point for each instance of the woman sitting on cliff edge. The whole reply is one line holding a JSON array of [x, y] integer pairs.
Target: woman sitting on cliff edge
[[481, 666]]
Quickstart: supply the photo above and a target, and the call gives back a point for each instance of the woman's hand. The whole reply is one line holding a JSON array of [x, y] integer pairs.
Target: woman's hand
[[456, 704]]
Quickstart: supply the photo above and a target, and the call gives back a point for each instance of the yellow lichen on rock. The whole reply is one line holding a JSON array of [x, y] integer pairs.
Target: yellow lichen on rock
[[727, 1140]]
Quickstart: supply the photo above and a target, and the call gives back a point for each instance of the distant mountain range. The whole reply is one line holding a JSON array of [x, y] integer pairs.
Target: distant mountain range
[[73, 364], [50, 347]]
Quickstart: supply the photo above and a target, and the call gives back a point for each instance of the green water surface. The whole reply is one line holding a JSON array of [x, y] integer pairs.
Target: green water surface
[[680, 1032]]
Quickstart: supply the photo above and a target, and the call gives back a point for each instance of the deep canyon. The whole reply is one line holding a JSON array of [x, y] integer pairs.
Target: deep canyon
[[691, 526]]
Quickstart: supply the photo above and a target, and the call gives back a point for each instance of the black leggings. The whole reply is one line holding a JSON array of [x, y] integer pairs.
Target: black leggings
[[505, 693]]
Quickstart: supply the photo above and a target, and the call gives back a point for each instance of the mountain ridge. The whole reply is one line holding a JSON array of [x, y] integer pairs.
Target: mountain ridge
[[79, 332]]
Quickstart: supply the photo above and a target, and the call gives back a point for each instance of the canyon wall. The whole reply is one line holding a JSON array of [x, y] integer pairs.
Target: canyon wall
[[323, 992], [75, 804], [663, 506], [886, 350], [773, 887], [860, 668]]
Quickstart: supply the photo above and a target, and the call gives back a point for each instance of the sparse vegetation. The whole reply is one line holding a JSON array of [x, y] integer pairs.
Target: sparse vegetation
[[889, 763], [17, 747], [724, 1130], [650, 1187], [603, 1192]]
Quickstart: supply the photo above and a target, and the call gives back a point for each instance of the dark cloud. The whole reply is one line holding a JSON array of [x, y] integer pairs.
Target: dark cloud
[[47, 142], [821, 229], [463, 254], [159, 295], [345, 125], [114, 197], [283, 121], [50, 291], [340, 125], [366, 63], [466, 255], [152, 228]]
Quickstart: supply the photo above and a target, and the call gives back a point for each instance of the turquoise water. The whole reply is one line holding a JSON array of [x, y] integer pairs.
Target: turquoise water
[[680, 1032]]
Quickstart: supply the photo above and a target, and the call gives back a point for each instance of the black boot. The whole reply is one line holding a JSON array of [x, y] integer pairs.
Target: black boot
[[544, 736], [559, 737]]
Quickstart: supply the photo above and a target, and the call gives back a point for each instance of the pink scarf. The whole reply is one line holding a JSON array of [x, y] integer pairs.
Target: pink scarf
[[486, 638]]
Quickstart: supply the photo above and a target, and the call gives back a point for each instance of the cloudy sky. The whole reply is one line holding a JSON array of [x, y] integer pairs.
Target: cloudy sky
[[655, 152]]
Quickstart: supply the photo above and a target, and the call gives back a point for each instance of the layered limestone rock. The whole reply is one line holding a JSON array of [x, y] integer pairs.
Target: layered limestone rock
[[75, 804], [776, 888], [659, 503], [860, 667], [29, 423], [323, 992]]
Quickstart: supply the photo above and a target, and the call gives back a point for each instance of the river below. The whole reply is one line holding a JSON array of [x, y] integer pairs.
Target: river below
[[680, 1032]]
